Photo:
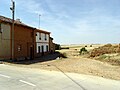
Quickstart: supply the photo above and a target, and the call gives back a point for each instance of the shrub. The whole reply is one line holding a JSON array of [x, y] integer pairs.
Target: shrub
[[63, 55], [91, 45], [85, 45], [83, 50]]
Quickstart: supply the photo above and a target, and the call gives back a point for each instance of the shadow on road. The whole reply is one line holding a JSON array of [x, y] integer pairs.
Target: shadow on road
[[36, 60]]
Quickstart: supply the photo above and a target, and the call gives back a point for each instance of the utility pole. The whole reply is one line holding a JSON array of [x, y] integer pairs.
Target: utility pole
[[12, 8]]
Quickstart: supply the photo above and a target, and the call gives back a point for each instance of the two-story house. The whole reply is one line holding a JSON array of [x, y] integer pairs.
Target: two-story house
[[42, 42], [29, 42]]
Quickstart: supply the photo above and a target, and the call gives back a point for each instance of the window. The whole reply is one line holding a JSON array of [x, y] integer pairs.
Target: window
[[47, 48], [45, 37], [39, 36], [42, 47], [38, 49]]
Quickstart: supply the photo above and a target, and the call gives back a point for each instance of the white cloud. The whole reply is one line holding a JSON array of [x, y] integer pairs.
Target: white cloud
[[59, 20], [31, 6]]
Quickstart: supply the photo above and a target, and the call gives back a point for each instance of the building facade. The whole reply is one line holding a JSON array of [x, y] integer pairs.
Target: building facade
[[23, 42], [52, 45], [5, 40], [41, 43], [29, 42]]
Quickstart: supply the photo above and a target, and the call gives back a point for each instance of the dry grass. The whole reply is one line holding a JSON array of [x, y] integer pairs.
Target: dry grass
[[113, 59], [107, 53], [106, 49]]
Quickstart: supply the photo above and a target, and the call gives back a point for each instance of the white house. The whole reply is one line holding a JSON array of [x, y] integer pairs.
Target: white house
[[42, 42]]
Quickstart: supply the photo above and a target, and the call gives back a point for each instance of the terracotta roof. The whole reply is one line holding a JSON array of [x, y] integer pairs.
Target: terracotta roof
[[2, 18], [38, 30], [9, 20]]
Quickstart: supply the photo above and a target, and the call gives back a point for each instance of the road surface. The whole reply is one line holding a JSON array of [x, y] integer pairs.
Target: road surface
[[16, 78]]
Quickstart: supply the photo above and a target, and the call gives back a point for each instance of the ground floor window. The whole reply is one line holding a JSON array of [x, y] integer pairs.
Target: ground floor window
[[47, 48], [38, 49], [42, 47]]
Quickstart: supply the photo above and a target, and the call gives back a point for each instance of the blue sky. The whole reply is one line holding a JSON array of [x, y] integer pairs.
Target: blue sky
[[70, 21]]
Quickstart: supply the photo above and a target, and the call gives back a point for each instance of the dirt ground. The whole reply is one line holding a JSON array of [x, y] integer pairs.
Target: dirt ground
[[73, 64]]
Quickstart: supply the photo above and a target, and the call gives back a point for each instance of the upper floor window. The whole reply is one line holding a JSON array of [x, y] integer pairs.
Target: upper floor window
[[45, 36], [39, 36]]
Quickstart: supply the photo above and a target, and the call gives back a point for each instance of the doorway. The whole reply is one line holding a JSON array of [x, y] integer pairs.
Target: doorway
[[42, 50]]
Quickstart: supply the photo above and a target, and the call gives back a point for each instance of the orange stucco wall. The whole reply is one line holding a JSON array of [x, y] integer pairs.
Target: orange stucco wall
[[23, 41]]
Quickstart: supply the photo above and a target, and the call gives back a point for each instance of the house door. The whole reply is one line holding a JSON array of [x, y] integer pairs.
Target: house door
[[42, 50]]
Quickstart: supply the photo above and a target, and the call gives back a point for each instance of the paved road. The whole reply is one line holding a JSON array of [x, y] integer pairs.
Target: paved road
[[15, 78]]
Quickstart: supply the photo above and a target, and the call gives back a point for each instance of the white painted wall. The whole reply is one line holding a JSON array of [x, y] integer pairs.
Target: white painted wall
[[42, 42], [44, 45], [42, 37]]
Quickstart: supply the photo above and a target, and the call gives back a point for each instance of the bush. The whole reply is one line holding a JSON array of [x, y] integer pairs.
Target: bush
[[83, 50], [63, 55], [91, 45], [85, 45]]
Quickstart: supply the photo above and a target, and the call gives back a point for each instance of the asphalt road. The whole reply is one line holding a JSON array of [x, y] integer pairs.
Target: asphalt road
[[16, 78]]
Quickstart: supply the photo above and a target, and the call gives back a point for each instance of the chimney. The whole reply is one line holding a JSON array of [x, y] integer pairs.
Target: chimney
[[18, 20]]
